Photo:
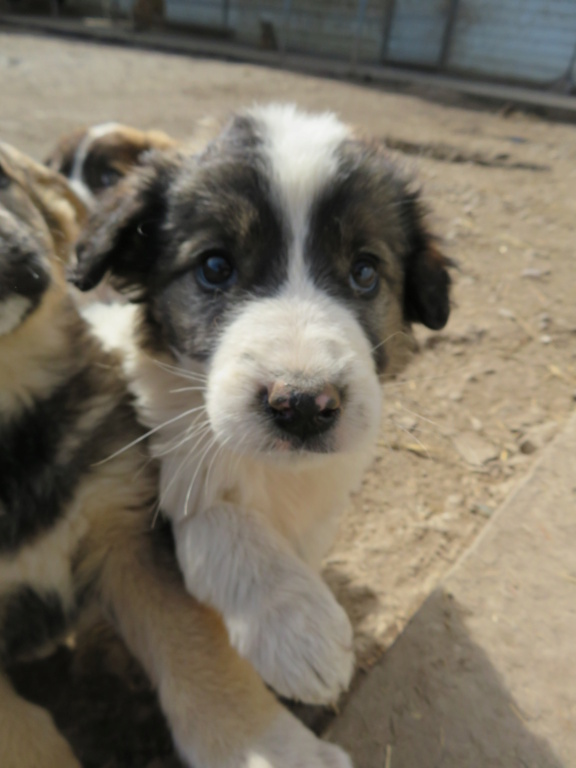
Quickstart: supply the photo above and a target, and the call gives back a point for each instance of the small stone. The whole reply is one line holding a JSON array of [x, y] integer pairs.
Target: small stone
[[475, 450], [535, 274], [408, 423], [545, 339], [544, 321], [537, 437], [507, 313], [476, 424], [481, 509]]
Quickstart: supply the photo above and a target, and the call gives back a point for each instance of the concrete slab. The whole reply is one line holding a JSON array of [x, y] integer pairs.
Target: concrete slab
[[485, 673]]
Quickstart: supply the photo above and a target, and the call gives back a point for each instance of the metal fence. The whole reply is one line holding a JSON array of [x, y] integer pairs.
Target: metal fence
[[526, 40], [531, 41]]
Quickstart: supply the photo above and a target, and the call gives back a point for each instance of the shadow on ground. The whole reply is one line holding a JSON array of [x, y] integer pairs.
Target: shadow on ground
[[433, 701], [436, 701], [102, 702]]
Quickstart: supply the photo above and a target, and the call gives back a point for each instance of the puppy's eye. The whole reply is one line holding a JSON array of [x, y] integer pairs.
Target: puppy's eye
[[109, 177], [216, 271], [364, 276]]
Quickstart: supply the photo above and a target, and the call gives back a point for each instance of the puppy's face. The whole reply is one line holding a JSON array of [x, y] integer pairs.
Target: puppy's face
[[288, 260], [95, 159], [39, 220]]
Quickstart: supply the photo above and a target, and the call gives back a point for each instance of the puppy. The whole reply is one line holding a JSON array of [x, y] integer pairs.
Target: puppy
[[277, 274], [95, 159], [76, 493]]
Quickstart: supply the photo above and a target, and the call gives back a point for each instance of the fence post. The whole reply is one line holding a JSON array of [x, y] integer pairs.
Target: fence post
[[360, 16], [225, 13], [286, 14], [448, 34]]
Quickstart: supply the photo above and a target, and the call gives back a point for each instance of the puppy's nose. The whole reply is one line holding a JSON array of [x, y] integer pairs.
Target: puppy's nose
[[303, 413]]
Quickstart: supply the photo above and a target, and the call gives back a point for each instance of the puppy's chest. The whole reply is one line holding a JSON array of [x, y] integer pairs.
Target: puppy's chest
[[304, 507]]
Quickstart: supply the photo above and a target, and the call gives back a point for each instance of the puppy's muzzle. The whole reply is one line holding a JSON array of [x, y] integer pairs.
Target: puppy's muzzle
[[303, 413]]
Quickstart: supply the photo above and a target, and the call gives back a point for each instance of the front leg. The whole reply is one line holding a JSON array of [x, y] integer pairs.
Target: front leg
[[279, 613], [219, 712]]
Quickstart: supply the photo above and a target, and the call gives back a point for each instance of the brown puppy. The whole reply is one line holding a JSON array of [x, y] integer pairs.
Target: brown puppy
[[76, 495], [96, 158]]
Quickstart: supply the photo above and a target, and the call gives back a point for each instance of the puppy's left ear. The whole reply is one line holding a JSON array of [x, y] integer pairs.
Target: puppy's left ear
[[426, 281], [123, 236]]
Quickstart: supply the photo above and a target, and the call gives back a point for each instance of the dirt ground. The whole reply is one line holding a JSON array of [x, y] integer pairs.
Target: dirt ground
[[469, 416]]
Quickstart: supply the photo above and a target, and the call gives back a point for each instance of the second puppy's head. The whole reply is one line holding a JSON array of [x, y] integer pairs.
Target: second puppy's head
[[288, 261], [40, 218], [95, 159]]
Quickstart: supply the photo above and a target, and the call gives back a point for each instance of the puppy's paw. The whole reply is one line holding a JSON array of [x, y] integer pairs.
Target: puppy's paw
[[288, 744], [300, 642]]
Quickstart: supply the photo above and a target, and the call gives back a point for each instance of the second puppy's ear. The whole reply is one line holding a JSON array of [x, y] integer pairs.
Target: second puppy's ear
[[426, 281], [61, 158], [123, 236]]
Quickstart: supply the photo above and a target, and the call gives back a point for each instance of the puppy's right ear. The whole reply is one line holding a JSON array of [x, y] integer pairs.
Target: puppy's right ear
[[124, 234]]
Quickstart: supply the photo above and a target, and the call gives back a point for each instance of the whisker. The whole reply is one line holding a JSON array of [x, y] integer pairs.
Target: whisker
[[184, 372], [396, 333], [412, 435], [167, 448], [220, 450], [200, 462], [147, 434], [424, 379], [419, 416], [186, 458], [157, 509]]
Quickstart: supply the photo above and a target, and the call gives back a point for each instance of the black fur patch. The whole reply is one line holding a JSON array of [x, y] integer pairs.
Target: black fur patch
[[30, 620], [35, 486], [34, 489]]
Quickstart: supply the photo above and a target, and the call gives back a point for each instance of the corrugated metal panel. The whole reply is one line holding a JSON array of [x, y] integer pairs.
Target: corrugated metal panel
[[323, 27], [328, 28], [417, 31], [209, 13], [530, 40]]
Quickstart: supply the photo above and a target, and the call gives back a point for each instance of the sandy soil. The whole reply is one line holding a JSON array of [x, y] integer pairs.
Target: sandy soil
[[466, 420]]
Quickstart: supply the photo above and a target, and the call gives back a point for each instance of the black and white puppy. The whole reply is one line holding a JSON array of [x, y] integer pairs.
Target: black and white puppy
[[277, 274], [76, 495]]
